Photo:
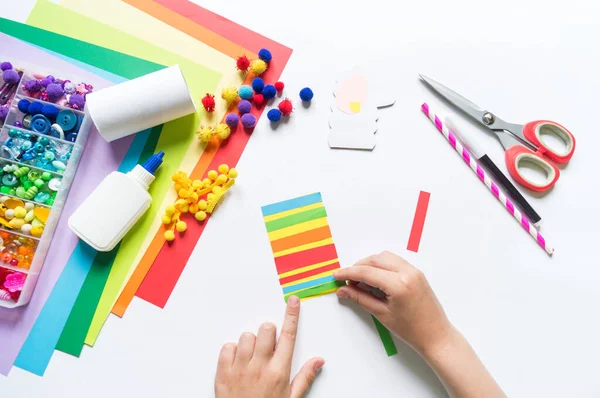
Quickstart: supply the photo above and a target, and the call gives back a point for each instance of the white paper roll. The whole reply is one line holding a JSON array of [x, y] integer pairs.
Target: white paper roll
[[141, 103]]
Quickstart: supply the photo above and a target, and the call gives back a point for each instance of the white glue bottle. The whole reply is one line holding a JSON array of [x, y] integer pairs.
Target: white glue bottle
[[115, 206]]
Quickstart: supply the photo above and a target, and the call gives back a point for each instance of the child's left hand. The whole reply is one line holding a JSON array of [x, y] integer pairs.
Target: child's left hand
[[259, 367]]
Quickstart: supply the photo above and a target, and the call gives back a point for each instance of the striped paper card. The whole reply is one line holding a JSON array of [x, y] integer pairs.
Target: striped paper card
[[304, 252]]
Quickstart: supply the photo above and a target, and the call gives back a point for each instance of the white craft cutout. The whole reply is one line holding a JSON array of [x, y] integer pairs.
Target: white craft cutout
[[354, 111]]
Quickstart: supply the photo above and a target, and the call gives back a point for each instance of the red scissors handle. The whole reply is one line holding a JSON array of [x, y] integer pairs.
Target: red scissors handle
[[534, 131], [518, 155]]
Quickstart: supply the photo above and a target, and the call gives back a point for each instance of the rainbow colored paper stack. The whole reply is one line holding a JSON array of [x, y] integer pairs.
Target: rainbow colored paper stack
[[304, 252]]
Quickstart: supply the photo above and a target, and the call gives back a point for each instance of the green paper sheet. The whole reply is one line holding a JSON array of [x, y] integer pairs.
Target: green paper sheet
[[174, 141]]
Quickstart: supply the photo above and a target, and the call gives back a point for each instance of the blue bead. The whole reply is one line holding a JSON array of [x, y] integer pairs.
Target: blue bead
[[39, 148], [258, 84], [44, 141], [50, 111], [26, 145], [35, 108], [306, 94], [27, 156], [23, 106], [71, 137], [269, 92], [67, 120], [12, 133]]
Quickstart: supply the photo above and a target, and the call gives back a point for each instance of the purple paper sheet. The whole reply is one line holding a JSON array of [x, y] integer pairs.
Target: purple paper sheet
[[15, 324]]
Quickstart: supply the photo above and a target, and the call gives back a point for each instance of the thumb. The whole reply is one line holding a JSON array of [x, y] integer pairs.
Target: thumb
[[306, 377]]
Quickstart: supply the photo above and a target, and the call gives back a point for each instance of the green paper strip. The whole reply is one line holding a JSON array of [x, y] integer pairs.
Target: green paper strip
[[73, 335], [315, 291], [175, 140], [386, 338], [297, 218], [110, 61]]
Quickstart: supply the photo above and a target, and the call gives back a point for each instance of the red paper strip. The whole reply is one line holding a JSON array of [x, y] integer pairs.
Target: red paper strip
[[172, 259], [418, 222], [307, 257]]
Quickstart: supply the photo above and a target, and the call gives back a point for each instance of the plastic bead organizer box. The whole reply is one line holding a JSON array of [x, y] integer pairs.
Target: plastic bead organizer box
[[44, 130]]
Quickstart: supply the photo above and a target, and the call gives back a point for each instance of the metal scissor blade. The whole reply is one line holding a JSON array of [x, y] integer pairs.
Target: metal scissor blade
[[457, 100]]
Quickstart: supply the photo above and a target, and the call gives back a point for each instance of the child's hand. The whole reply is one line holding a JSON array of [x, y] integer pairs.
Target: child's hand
[[409, 309], [260, 367]]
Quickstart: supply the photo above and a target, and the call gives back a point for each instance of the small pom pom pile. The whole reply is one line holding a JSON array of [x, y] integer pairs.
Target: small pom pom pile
[[245, 92], [58, 91], [208, 102], [196, 197]]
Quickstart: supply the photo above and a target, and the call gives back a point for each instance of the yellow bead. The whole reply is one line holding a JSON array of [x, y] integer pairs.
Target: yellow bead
[[223, 169], [181, 226], [20, 212], [222, 179], [233, 173], [258, 66], [213, 175], [166, 219], [169, 235], [201, 216], [194, 208], [183, 193], [184, 208], [202, 205], [16, 223], [37, 231], [197, 184], [170, 210], [210, 197]]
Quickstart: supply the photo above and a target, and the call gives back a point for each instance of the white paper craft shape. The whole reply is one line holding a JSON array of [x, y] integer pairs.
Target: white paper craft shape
[[354, 111]]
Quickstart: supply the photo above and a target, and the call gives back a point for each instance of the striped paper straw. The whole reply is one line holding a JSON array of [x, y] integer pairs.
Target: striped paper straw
[[470, 160]]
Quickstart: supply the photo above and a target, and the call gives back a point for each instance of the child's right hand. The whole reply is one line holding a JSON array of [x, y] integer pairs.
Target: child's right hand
[[410, 309]]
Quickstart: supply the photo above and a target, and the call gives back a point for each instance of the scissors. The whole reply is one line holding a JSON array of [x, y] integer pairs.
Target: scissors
[[522, 143]]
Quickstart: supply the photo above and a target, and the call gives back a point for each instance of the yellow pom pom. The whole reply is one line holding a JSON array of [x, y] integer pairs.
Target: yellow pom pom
[[201, 216], [180, 202], [206, 133], [194, 197], [183, 193], [170, 210], [178, 187], [166, 219], [223, 169], [202, 205], [210, 197], [206, 182], [181, 226], [213, 175], [197, 184], [233, 173], [216, 190], [194, 208], [184, 208], [258, 66], [222, 179], [229, 94], [169, 236], [222, 131]]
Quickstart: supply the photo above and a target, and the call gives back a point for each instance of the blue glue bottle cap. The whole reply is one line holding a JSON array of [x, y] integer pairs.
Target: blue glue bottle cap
[[154, 162]]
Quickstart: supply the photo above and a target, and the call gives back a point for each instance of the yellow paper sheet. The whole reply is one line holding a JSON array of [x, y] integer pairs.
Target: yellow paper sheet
[[130, 20], [175, 139]]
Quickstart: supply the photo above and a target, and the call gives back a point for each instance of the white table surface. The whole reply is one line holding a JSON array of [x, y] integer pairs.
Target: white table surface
[[532, 319]]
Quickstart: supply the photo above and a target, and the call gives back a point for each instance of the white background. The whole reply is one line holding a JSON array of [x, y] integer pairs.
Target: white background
[[532, 319]]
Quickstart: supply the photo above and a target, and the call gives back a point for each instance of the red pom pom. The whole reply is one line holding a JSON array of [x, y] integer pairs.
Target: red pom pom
[[286, 107], [243, 63], [259, 99], [279, 86], [209, 102]]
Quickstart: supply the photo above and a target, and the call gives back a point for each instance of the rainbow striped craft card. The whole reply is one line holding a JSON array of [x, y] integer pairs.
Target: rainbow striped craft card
[[304, 252]]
